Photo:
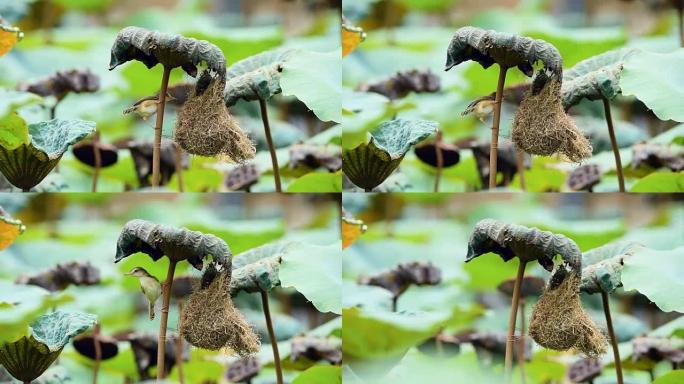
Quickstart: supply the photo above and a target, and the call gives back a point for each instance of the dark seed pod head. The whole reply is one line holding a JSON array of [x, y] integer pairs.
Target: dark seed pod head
[[397, 280], [315, 156], [243, 370], [243, 177], [142, 151], [316, 349], [506, 160], [657, 156], [532, 286], [584, 178], [584, 370], [172, 51], [402, 83], [427, 153], [144, 346], [85, 153], [85, 345], [488, 47], [657, 349]]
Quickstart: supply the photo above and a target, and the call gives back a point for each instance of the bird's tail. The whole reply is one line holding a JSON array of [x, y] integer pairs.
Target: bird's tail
[[151, 311]]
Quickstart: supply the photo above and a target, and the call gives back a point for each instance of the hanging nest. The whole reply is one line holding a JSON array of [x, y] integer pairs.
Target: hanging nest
[[206, 128], [210, 321], [541, 126], [560, 323]]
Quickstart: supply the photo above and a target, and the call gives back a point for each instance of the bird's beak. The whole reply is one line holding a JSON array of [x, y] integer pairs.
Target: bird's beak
[[128, 274]]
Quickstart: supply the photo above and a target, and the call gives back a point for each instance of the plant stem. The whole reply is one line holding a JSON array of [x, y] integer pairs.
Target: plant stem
[[394, 303], [613, 143], [521, 342], [494, 145], [367, 190], [178, 160], [166, 297], [680, 15], [611, 333], [179, 345], [271, 147], [511, 320], [98, 351], [271, 335], [98, 159], [440, 159], [156, 149], [520, 164]]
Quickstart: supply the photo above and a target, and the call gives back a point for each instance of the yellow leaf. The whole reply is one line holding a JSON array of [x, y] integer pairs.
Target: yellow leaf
[[352, 229], [10, 229], [351, 38], [9, 36]]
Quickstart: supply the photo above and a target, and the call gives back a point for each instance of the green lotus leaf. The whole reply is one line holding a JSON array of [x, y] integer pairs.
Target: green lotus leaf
[[177, 244], [324, 69], [488, 47], [56, 329], [650, 77], [369, 164], [528, 244], [603, 266], [28, 357], [257, 269], [172, 51], [256, 77], [10, 101], [27, 164], [594, 78], [315, 271], [658, 275]]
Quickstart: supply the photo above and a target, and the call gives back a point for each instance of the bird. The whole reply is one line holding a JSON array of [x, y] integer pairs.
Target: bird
[[147, 106], [149, 285]]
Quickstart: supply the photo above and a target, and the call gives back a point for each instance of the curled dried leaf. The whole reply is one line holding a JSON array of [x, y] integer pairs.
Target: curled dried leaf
[[177, 244], [402, 83], [243, 177], [61, 83], [398, 279], [352, 229], [584, 370], [657, 156], [528, 244], [64, 275], [657, 349], [489, 47], [352, 36], [172, 51]]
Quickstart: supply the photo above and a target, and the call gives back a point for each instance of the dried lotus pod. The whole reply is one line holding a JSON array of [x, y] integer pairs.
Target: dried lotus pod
[[402, 83]]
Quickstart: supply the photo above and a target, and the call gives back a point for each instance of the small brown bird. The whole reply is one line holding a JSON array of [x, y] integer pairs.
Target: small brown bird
[[482, 107], [147, 106], [149, 285]]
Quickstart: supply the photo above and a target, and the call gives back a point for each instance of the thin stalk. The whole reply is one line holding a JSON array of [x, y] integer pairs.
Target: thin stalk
[[26, 190], [271, 147], [440, 159], [271, 335], [394, 303], [179, 345], [494, 146], [98, 351], [511, 320], [156, 149], [521, 342], [680, 16], [98, 159], [613, 143], [520, 164], [367, 190], [166, 298], [178, 163], [611, 333]]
